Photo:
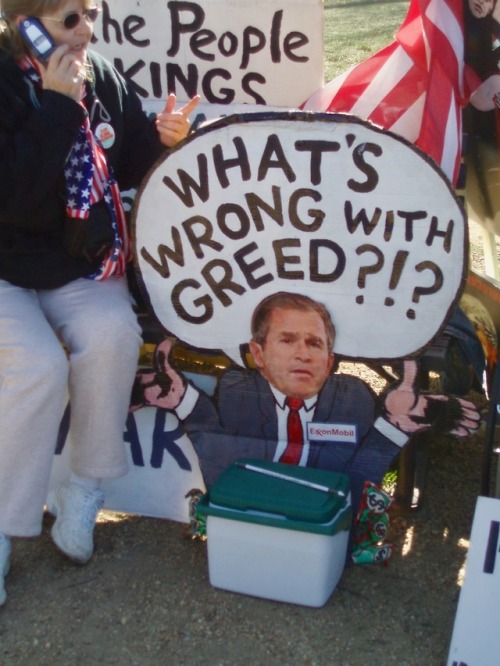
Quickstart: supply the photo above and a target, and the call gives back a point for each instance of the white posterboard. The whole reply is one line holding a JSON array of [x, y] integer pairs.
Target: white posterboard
[[476, 638], [325, 205], [163, 467], [251, 52]]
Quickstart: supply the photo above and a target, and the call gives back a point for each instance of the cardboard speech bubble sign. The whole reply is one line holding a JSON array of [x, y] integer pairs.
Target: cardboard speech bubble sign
[[325, 205]]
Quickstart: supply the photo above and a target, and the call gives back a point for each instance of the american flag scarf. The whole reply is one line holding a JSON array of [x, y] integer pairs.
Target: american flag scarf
[[89, 179]]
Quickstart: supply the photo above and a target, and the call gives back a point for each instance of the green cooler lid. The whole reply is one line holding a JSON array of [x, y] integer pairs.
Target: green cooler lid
[[242, 493]]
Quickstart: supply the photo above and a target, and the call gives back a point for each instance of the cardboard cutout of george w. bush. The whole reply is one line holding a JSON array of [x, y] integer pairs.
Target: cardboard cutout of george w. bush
[[281, 240]]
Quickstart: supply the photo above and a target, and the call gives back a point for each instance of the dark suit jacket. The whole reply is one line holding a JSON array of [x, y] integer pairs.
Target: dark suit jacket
[[242, 422]]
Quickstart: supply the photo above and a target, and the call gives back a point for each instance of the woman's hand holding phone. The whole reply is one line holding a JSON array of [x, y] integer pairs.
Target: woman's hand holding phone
[[63, 73]]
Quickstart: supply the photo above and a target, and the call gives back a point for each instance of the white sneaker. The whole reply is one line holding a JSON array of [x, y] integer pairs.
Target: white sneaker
[[4, 564], [76, 509]]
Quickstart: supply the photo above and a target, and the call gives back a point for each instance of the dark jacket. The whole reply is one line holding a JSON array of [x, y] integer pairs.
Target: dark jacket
[[37, 131]]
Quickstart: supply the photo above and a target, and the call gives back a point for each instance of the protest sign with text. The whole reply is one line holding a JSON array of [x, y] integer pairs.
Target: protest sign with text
[[227, 51], [326, 205]]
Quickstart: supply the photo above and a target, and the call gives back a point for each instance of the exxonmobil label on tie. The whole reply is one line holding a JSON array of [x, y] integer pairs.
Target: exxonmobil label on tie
[[332, 432]]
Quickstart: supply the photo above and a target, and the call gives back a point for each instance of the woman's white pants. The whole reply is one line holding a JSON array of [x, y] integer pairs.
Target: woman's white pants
[[102, 339]]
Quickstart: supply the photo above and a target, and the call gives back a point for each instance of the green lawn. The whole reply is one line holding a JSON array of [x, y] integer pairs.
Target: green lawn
[[354, 29]]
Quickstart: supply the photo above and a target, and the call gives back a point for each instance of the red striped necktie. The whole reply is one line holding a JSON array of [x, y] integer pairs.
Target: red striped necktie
[[293, 451]]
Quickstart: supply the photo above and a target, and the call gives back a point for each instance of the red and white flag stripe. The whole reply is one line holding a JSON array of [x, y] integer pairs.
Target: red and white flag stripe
[[415, 86], [116, 261]]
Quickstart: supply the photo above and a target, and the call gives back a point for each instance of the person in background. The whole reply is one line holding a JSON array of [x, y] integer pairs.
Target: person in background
[[482, 49], [72, 135]]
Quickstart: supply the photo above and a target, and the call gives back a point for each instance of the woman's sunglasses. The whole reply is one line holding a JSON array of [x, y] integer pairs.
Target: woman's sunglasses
[[72, 20]]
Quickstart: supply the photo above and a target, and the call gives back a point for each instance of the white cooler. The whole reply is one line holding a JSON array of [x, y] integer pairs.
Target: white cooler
[[274, 538]]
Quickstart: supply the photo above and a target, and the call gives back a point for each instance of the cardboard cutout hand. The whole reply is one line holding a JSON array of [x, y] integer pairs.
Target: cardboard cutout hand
[[163, 387], [411, 411]]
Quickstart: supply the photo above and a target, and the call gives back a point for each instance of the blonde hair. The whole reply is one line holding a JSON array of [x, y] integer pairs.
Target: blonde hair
[[10, 39]]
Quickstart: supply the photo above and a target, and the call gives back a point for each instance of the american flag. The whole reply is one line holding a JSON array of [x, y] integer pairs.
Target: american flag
[[88, 180], [79, 178], [415, 87]]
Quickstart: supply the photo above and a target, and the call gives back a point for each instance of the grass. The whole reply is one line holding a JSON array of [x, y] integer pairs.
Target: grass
[[355, 29]]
